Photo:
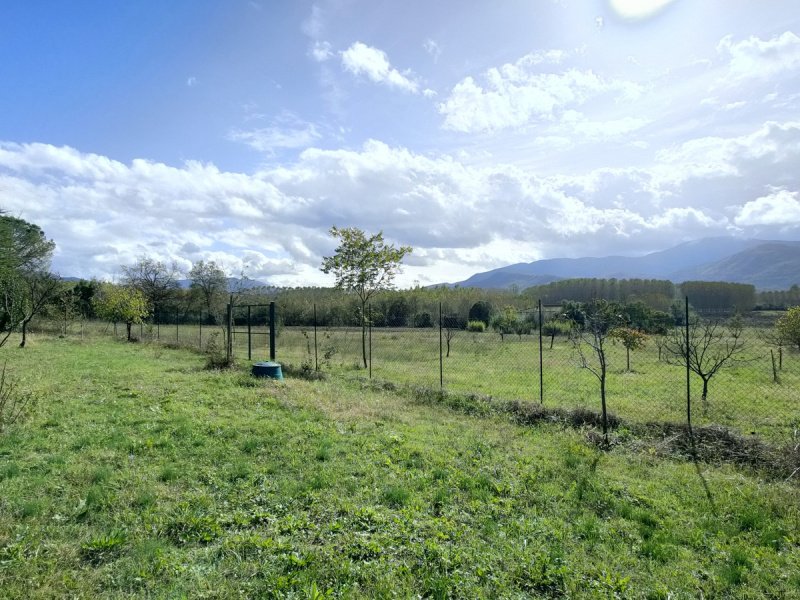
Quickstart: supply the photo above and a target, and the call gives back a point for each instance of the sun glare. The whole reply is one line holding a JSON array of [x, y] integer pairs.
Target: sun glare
[[636, 10]]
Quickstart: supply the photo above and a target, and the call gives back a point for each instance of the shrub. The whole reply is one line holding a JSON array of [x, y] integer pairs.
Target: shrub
[[423, 319], [476, 326]]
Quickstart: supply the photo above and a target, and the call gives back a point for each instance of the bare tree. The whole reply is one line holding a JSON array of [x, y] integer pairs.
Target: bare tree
[[708, 346], [211, 282], [599, 318], [40, 289], [155, 279], [450, 325]]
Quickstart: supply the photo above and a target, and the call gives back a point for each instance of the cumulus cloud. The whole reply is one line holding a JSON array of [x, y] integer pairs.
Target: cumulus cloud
[[460, 217], [519, 93], [761, 59], [373, 63], [781, 207]]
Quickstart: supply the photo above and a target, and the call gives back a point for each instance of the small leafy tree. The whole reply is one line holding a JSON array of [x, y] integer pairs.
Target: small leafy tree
[[506, 321], [708, 346], [26, 285], [121, 304], [788, 326], [632, 339], [363, 264]]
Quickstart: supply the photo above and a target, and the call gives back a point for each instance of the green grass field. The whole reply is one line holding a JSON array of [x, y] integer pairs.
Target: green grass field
[[141, 474], [744, 397]]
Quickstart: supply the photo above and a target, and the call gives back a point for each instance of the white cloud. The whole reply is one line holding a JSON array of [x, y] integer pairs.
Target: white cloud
[[432, 48], [286, 131], [780, 207], [373, 63], [519, 93], [321, 51], [461, 218], [191, 81], [315, 22], [762, 59]]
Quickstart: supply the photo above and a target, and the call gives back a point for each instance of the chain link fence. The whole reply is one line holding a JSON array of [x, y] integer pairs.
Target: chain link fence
[[740, 374]]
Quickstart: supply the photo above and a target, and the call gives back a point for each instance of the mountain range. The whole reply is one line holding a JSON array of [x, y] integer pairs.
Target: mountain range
[[769, 265]]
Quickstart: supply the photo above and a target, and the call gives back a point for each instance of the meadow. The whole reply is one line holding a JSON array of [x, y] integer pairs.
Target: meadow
[[140, 473], [745, 396], [751, 394]]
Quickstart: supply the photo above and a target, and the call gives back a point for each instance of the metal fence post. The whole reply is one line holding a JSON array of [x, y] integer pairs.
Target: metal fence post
[[272, 331], [201, 330], [316, 361], [541, 359], [369, 316], [249, 336], [441, 359], [229, 325], [177, 328], [688, 371]]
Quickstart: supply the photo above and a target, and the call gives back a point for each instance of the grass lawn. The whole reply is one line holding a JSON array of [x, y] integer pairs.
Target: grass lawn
[[141, 474]]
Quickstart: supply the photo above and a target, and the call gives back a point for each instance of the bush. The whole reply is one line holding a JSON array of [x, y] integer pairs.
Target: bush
[[476, 326]]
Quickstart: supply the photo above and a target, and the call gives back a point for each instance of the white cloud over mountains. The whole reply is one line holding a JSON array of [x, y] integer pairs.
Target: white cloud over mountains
[[273, 223]]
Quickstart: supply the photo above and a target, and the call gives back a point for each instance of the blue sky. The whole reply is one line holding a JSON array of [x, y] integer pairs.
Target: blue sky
[[481, 133]]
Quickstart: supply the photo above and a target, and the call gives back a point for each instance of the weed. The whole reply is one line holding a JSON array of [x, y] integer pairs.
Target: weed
[[185, 529], [103, 548]]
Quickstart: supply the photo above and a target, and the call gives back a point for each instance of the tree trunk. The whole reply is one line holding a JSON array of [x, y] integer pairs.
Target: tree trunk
[[128, 325], [603, 401], [552, 339], [704, 397], [364, 334], [628, 357], [448, 348], [24, 332]]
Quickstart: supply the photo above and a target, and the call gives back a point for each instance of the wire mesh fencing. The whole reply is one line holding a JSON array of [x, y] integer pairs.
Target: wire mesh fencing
[[710, 369], [706, 367]]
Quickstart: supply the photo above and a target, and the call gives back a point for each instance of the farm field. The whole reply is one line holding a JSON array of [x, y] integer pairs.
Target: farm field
[[142, 474]]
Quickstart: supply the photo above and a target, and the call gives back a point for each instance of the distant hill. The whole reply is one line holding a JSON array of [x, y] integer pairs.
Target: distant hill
[[766, 264], [769, 266]]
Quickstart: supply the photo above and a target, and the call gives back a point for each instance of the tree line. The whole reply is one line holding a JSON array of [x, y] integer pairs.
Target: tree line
[[150, 290]]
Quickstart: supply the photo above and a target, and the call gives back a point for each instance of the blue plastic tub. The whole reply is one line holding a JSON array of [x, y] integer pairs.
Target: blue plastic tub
[[267, 369]]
